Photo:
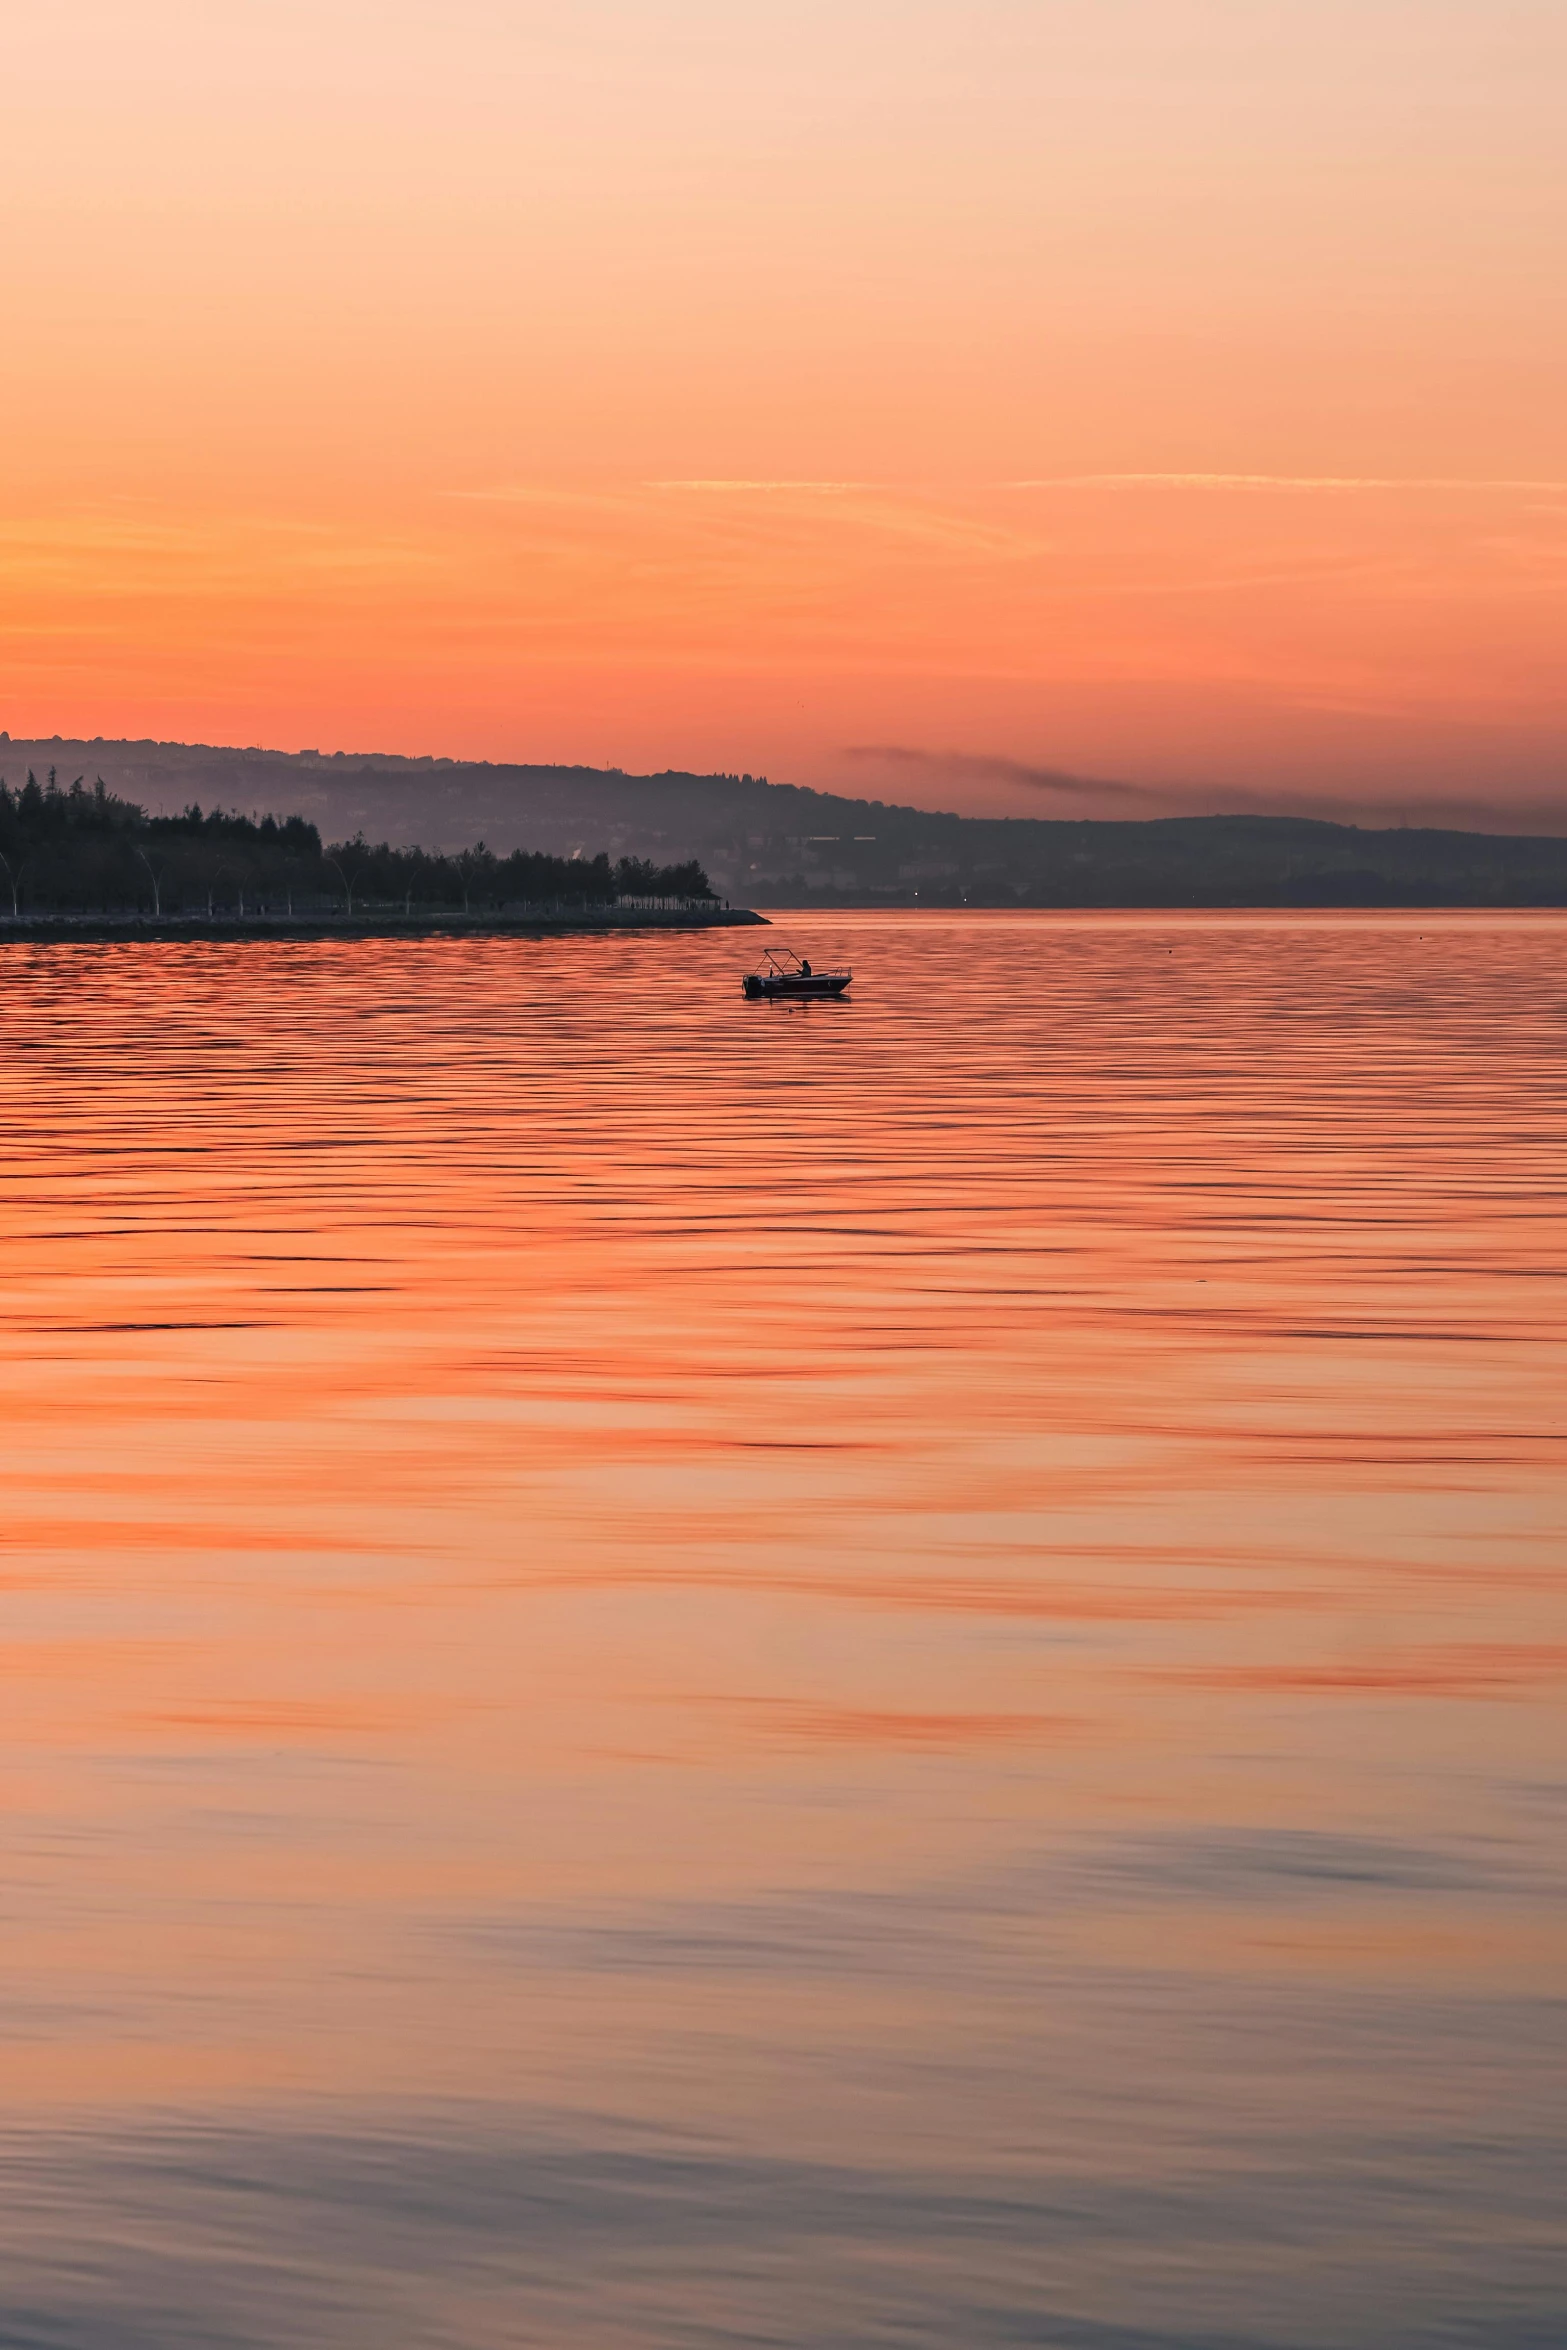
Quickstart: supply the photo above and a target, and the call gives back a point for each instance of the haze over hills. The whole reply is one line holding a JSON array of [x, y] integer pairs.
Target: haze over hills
[[782, 843]]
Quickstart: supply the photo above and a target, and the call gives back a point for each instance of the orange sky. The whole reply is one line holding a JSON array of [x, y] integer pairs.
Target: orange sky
[[918, 398]]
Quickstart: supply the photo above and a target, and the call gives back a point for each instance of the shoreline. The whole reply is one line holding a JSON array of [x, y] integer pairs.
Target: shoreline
[[1326, 900], [101, 929]]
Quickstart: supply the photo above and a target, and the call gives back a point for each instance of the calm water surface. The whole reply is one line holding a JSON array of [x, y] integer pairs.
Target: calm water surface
[[682, 1673]]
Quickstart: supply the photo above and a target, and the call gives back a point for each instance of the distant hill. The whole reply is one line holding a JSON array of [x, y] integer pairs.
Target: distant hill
[[780, 843]]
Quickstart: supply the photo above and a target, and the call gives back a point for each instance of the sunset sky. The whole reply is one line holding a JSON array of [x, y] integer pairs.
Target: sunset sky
[[928, 399]]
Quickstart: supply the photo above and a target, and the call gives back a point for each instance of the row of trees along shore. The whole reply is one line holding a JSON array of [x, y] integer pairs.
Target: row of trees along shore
[[82, 850]]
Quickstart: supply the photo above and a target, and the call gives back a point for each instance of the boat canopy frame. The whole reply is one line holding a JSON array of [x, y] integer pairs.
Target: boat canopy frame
[[784, 963]]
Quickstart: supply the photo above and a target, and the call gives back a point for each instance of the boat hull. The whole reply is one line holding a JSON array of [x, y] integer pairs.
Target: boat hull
[[826, 983]]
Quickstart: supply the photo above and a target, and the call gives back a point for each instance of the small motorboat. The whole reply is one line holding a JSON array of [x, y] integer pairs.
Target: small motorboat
[[781, 972]]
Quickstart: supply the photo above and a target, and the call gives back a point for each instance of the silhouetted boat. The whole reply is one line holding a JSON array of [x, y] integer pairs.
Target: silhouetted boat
[[781, 972]]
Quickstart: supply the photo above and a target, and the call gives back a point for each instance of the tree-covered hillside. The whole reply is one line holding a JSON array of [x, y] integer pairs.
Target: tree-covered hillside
[[75, 849], [784, 844]]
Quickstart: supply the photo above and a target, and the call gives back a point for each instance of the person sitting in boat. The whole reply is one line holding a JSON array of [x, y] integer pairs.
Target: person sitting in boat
[[805, 970]]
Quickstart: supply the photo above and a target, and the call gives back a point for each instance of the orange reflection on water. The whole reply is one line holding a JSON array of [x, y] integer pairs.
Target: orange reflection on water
[[849, 1586]]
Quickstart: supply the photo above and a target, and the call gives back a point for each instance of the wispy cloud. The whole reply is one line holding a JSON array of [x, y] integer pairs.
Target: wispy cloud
[[1285, 481], [1517, 811], [539, 493], [987, 767], [816, 489]]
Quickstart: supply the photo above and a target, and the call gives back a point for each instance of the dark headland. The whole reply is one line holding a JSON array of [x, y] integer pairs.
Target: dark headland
[[645, 836], [85, 862]]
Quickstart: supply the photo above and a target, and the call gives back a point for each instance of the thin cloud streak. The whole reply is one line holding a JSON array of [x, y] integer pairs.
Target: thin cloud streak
[[987, 767], [819, 489], [1285, 481], [1090, 796]]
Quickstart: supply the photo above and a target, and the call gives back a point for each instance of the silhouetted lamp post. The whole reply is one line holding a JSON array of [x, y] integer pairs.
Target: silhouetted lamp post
[[157, 894], [348, 886]]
